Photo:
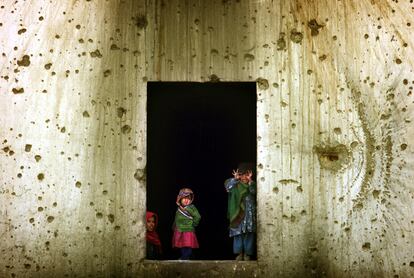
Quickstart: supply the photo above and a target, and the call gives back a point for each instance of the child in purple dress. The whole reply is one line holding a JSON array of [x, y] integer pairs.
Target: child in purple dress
[[186, 219]]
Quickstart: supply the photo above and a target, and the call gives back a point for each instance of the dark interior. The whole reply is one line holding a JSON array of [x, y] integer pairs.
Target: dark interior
[[197, 134]]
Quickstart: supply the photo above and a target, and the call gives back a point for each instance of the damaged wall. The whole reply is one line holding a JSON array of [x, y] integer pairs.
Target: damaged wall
[[335, 105]]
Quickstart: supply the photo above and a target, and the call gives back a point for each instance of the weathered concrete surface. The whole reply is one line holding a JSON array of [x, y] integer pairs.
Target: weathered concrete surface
[[184, 269], [335, 111]]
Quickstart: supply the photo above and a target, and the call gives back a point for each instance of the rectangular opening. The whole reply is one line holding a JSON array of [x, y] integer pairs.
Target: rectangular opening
[[197, 134]]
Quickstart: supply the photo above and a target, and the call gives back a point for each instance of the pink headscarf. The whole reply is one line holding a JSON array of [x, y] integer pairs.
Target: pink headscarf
[[153, 236]]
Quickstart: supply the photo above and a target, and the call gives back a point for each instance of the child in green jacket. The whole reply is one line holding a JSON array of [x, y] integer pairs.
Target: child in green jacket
[[186, 219]]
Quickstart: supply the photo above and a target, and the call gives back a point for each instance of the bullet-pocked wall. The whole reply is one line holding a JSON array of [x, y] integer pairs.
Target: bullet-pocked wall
[[335, 109]]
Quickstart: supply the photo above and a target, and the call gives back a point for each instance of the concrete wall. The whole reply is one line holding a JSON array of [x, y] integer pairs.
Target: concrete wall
[[335, 111]]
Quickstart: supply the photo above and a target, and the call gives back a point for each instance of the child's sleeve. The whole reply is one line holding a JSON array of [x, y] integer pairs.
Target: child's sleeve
[[252, 188], [230, 183], [194, 213]]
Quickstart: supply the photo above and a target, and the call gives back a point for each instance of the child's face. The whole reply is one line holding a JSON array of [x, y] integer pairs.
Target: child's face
[[244, 178], [151, 224], [185, 201]]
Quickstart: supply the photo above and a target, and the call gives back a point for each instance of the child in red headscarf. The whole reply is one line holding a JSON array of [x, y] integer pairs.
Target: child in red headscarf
[[154, 250], [186, 219]]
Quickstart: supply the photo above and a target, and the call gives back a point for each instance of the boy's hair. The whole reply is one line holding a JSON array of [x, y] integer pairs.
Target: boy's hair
[[244, 167]]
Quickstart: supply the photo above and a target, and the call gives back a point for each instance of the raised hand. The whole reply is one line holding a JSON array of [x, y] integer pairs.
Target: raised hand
[[249, 175], [236, 174]]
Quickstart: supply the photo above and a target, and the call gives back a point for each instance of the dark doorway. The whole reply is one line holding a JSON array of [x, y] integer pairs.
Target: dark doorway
[[198, 133]]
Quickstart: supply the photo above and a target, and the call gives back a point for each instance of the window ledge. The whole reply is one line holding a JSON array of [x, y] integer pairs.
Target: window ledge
[[200, 268]]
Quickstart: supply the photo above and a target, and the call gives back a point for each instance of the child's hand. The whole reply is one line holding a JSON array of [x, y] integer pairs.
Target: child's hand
[[236, 174], [249, 175]]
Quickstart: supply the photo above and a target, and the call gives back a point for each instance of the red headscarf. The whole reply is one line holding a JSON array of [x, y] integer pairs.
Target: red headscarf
[[153, 236]]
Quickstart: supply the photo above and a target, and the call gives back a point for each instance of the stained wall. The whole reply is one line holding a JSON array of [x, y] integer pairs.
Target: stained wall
[[335, 109]]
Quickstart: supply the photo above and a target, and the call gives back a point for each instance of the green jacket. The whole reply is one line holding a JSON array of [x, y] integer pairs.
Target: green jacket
[[185, 224]]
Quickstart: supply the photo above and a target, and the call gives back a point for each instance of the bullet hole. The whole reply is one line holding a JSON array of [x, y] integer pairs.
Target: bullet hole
[[366, 246], [140, 175], [287, 181], [337, 131], [81, 41], [18, 91], [196, 21], [19, 175], [214, 52], [31, 220], [28, 147], [41, 176], [366, 36], [37, 158], [141, 21], [40, 209], [114, 47], [117, 228], [262, 83], [412, 264], [403, 147], [309, 72], [78, 184], [50, 219], [99, 215], [296, 36], [85, 114], [322, 57], [376, 193], [96, 54], [359, 206], [248, 57], [314, 26], [111, 218], [78, 26], [87, 228], [27, 266], [105, 192], [126, 129], [214, 78], [281, 42], [21, 31], [299, 189], [275, 85], [332, 157], [54, 204], [398, 61], [107, 73], [63, 129], [41, 18], [120, 111], [385, 116]]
